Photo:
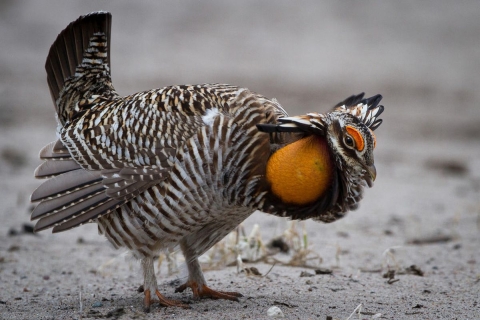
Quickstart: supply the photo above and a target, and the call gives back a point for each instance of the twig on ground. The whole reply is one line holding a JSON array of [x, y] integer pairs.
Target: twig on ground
[[359, 308], [389, 253], [431, 240], [273, 265]]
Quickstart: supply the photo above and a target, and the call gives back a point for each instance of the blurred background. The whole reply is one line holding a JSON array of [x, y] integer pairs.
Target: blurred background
[[422, 56]]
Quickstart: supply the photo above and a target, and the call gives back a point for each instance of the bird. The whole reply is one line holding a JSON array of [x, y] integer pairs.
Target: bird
[[180, 167]]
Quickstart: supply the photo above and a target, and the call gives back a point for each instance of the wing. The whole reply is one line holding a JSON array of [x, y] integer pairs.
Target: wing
[[118, 149]]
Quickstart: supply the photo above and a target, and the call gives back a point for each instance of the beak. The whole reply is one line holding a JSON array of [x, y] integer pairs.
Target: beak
[[371, 174], [372, 171]]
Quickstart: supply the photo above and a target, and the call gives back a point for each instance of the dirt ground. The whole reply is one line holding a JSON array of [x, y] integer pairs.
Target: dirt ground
[[423, 211]]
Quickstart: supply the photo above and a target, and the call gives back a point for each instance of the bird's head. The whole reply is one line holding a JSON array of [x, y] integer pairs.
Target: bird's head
[[331, 157], [352, 143], [319, 163]]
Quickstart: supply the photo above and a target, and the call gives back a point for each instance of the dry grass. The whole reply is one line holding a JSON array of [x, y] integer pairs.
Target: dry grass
[[239, 248]]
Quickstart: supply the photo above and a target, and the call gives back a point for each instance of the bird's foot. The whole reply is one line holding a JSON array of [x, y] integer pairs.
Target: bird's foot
[[162, 300], [202, 291]]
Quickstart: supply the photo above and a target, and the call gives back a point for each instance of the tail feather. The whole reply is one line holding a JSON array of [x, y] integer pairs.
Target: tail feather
[[54, 149], [64, 201], [72, 211], [67, 51], [55, 167], [74, 196], [80, 50], [90, 215]]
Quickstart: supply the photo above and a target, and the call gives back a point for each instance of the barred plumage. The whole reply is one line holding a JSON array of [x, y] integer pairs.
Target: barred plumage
[[184, 165]]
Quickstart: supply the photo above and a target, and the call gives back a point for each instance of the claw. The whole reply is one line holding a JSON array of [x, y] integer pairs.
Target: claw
[[146, 301], [205, 292]]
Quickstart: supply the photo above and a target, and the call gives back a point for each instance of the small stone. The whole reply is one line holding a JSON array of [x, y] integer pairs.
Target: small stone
[[343, 234], [115, 313], [323, 271], [279, 243], [28, 228], [306, 274], [413, 269], [388, 232], [13, 248], [97, 304], [252, 271], [275, 312], [46, 277]]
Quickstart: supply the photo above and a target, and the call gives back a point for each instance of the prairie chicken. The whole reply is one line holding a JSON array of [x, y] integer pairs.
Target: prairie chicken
[[184, 165]]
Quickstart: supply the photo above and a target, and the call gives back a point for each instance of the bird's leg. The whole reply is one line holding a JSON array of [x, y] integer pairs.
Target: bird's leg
[[196, 282], [150, 287]]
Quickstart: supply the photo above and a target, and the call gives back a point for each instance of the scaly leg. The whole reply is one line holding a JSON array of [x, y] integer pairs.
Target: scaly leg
[[150, 285], [196, 282]]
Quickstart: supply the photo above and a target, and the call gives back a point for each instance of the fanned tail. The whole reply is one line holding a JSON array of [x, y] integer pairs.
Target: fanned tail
[[78, 64]]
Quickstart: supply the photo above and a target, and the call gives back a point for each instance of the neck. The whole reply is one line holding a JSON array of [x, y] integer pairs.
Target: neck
[[301, 172]]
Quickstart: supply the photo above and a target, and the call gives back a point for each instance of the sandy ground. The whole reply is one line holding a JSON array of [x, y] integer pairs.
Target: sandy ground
[[424, 209]]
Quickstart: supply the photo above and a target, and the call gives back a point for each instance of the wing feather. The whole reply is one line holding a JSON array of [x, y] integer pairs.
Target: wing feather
[[69, 199], [55, 167], [73, 211], [64, 183]]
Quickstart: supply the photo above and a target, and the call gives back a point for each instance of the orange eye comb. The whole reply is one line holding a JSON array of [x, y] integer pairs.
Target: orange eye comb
[[357, 136]]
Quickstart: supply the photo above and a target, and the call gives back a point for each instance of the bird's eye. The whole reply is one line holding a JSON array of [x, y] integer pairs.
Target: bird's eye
[[349, 141], [356, 138]]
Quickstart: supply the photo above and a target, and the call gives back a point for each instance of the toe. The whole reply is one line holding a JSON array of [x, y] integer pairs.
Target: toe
[[210, 293], [170, 303]]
